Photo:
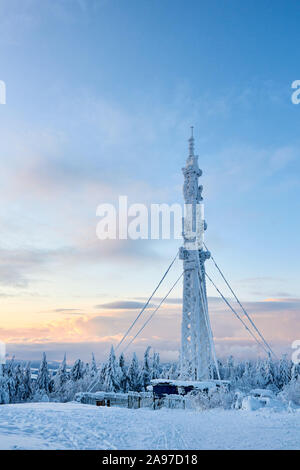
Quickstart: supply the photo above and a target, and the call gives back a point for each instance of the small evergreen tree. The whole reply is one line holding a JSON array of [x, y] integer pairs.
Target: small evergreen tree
[[87, 370], [260, 374], [155, 366], [61, 378], [240, 369], [102, 374], [283, 375], [4, 389], [123, 374], [10, 373], [268, 372], [77, 371], [112, 375], [93, 368], [173, 372], [27, 382], [230, 373], [146, 371], [19, 384], [134, 375], [43, 378], [295, 372], [247, 376]]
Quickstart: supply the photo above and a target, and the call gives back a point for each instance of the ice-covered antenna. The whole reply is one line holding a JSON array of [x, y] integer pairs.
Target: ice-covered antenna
[[191, 142]]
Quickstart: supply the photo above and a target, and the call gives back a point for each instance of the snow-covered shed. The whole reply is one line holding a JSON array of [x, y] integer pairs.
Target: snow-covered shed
[[162, 387]]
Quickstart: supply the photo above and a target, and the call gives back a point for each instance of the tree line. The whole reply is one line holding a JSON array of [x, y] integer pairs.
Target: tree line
[[18, 384]]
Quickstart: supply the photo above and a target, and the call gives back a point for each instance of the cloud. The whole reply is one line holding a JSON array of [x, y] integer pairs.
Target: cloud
[[66, 310], [22, 266], [169, 300], [278, 320], [12, 276], [272, 305], [17, 265], [122, 304], [69, 311]]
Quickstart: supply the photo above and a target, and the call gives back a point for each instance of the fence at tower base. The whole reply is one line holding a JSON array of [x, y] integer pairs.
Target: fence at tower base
[[162, 393]]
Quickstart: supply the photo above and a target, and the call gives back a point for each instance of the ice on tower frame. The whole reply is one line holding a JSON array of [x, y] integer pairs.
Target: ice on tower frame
[[196, 336]]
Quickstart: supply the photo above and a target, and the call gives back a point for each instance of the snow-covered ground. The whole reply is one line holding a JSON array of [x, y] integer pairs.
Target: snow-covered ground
[[77, 426]]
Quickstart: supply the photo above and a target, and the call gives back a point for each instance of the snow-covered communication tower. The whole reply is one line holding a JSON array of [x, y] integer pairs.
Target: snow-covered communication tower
[[196, 336]]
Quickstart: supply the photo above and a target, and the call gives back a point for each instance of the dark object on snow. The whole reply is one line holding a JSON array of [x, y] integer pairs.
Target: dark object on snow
[[100, 402], [163, 387]]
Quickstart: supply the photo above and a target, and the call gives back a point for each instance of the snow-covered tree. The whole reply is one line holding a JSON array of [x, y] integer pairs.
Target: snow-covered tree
[[239, 370], [61, 377], [259, 375], [93, 368], [87, 371], [229, 369], [11, 383], [134, 375], [170, 371], [283, 375], [246, 379], [27, 382], [124, 383], [155, 366], [295, 372], [16, 384], [221, 369], [268, 372], [77, 371], [173, 371], [19, 384], [112, 374], [146, 370], [43, 378], [4, 389]]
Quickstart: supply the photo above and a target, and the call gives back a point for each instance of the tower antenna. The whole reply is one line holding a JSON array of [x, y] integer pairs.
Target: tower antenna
[[191, 143], [196, 344]]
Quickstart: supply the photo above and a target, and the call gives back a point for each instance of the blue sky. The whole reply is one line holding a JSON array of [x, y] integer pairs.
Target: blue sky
[[100, 98]]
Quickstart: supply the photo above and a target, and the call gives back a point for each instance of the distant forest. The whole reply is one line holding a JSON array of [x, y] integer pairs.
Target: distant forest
[[18, 384]]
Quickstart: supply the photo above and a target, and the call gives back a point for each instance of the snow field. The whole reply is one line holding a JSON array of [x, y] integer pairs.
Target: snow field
[[77, 426]]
